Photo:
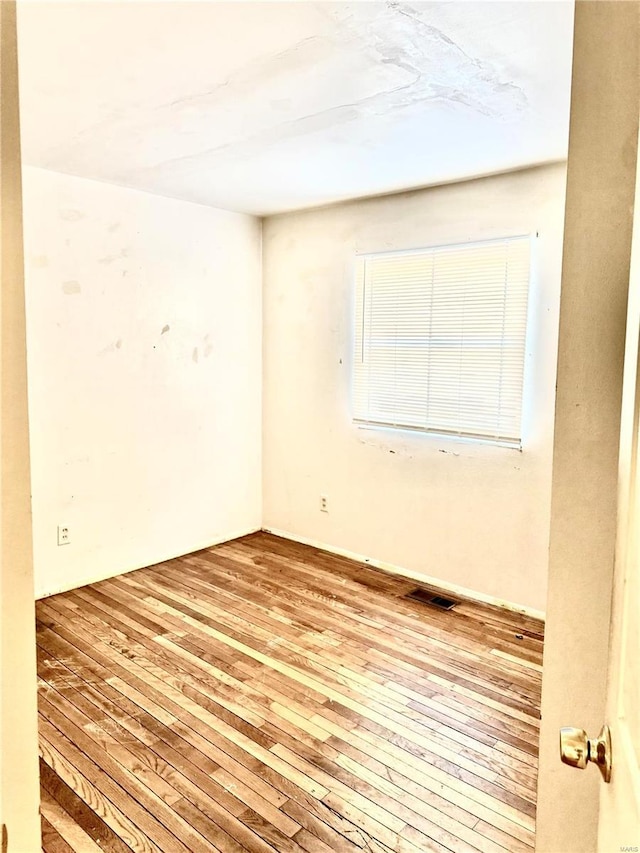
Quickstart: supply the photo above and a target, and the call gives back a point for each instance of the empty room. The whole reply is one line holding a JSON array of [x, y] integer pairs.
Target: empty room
[[318, 385]]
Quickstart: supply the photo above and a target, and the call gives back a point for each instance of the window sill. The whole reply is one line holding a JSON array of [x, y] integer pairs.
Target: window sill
[[476, 441]]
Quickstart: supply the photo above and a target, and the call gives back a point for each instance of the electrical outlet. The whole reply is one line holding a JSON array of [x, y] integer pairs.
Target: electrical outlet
[[64, 536], [324, 503]]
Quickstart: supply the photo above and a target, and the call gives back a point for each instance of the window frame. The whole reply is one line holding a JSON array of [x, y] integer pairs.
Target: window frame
[[438, 433]]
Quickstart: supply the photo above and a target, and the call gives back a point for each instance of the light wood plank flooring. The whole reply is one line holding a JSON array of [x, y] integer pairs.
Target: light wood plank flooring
[[262, 695]]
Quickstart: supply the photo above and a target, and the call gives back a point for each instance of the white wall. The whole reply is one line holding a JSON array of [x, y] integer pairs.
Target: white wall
[[469, 515], [147, 443], [144, 357]]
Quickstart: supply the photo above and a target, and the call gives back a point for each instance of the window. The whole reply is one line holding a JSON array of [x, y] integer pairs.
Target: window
[[440, 339]]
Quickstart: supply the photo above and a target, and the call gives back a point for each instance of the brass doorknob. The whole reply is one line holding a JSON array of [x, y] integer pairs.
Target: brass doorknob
[[576, 749]]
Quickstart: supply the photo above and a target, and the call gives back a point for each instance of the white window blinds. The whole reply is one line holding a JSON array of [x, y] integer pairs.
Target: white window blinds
[[440, 339]]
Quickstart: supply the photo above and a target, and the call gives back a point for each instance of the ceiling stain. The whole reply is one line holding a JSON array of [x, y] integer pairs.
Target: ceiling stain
[[422, 67], [315, 102]]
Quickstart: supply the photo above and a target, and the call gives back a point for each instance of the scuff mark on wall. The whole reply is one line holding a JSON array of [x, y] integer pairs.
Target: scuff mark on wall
[[165, 329], [71, 215], [380, 444], [118, 256], [71, 287], [112, 347], [194, 355]]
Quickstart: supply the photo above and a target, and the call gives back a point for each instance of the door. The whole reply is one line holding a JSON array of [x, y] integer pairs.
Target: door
[[619, 825], [19, 784]]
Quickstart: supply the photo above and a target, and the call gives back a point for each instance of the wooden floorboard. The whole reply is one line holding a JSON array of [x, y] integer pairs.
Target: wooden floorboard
[[263, 695]]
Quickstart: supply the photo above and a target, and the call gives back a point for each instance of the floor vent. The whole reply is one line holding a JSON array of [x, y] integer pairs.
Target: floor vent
[[438, 601]]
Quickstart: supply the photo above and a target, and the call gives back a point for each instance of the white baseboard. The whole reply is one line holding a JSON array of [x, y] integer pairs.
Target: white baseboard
[[77, 582], [412, 575]]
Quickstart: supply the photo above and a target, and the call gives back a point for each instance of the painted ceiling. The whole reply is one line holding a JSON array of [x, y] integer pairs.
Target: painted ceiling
[[271, 106]]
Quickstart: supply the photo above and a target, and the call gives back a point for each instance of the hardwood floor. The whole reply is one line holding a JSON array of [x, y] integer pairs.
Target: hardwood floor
[[263, 695]]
